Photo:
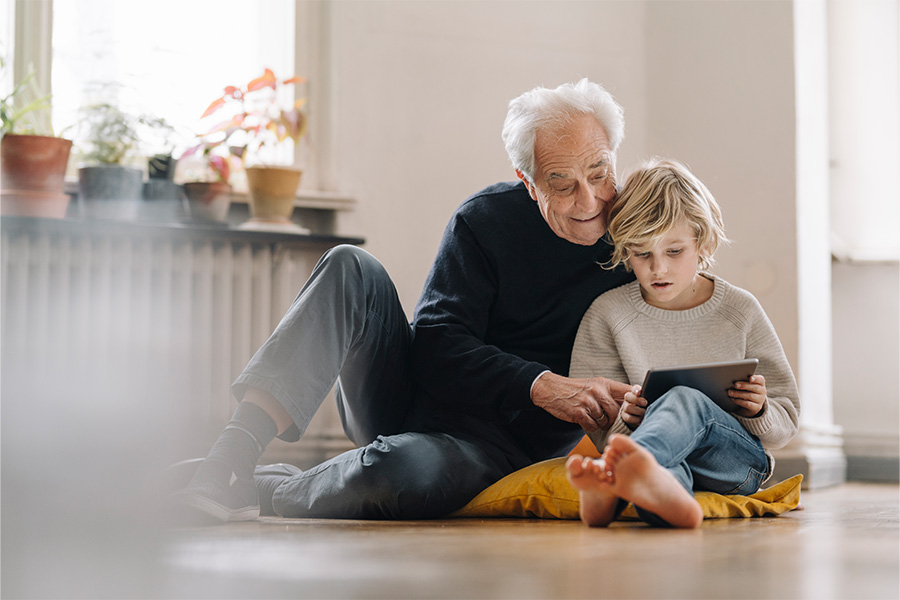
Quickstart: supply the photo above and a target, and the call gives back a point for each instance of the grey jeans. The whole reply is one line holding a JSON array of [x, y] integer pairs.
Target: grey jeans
[[347, 326]]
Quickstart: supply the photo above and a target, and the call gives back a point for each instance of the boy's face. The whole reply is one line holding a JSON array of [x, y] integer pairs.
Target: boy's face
[[668, 273]]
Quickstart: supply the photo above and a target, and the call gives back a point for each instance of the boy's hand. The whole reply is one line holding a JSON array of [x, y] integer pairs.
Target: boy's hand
[[633, 408], [749, 395]]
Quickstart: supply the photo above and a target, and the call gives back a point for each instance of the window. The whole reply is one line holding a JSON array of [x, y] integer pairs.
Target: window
[[864, 106], [168, 58]]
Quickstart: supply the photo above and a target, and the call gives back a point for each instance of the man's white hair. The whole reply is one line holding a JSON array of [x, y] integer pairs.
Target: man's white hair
[[543, 107]]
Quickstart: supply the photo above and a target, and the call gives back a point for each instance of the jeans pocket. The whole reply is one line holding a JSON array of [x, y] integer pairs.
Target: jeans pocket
[[750, 485]]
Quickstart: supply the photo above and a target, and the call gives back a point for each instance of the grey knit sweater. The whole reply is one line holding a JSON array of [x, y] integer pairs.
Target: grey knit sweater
[[621, 337]]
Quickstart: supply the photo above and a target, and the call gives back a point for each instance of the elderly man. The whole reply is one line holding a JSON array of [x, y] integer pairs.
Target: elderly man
[[475, 388]]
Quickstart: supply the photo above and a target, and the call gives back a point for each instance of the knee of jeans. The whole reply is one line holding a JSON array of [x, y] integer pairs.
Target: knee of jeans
[[349, 256], [686, 398], [353, 265], [408, 480]]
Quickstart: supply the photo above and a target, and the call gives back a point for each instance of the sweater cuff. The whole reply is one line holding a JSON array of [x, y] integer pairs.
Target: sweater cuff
[[601, 437], [620, 426], [541, 374], [761, 423]]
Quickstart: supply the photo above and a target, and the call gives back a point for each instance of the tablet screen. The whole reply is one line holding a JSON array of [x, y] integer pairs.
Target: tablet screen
[[713, 379]]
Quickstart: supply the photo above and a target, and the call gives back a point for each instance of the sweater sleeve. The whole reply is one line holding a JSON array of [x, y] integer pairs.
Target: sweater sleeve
[[780, 419], [595, 355], [452, 360]]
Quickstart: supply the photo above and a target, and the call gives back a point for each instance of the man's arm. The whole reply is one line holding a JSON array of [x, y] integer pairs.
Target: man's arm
[[460, 368], [452, 360]]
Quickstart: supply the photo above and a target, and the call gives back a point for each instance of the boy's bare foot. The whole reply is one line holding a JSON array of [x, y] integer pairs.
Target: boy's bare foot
[[593, 480], [638, 478]]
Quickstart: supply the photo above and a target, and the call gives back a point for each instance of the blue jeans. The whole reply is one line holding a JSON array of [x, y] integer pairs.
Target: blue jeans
[[347, 326], [703, 446]]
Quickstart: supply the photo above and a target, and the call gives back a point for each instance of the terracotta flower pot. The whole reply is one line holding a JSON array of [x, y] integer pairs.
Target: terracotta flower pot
[[273, 191], [32, 176], [208, 200]]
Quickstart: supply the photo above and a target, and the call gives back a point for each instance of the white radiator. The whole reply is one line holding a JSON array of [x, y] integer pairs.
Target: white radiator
[[156, 319]]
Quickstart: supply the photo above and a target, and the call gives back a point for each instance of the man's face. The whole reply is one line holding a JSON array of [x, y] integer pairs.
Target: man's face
[[575, 181]]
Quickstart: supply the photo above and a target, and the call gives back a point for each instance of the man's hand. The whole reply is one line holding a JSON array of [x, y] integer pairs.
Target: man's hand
[[592, 403]]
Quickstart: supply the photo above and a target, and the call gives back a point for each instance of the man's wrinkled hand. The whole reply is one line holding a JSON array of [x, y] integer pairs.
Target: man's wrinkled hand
[[592, 403]]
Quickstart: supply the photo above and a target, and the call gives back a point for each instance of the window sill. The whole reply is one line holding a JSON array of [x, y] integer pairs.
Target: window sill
[[844, 253], [311, 199], [315, 199]]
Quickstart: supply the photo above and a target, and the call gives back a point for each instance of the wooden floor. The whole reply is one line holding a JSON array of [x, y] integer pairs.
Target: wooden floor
[[844, 544]]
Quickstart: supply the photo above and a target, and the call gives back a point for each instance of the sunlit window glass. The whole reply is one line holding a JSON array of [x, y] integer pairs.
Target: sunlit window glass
[[167, 58]]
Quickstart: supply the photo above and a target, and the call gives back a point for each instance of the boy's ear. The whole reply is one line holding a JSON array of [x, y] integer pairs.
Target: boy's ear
[[705, 257]]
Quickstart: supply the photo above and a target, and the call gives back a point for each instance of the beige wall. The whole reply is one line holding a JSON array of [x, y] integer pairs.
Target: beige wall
[[720, 84], [421, 91]]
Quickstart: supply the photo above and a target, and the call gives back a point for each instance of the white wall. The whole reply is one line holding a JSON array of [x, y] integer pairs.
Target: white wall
[[863, 109], [867, 357], [864, 87]]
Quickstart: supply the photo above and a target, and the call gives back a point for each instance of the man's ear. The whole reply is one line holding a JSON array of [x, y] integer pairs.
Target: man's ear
[[527, 183]]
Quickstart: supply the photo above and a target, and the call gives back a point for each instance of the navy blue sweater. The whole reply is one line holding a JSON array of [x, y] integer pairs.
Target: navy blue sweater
[[501, 304]]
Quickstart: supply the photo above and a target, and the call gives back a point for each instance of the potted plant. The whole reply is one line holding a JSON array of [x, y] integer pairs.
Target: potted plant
[[32, 160], [256, 125], [163, 199], [161, 164], [107, 139], [209, 197]]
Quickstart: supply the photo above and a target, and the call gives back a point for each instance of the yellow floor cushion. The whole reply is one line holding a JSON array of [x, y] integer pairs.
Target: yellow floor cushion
[[542, 491]]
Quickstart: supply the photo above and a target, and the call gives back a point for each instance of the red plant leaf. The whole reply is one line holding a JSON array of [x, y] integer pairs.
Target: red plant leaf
[[294, 79], [212, 145], [191, 151], [267, 80], [294, 123], [220, 167], [216, 105], [234, 123]]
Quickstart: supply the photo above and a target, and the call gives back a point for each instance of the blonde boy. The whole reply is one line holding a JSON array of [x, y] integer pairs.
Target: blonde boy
[[666, 227]]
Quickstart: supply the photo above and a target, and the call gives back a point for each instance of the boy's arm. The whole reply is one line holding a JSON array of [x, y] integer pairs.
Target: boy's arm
[[779, 421], [594, 353]]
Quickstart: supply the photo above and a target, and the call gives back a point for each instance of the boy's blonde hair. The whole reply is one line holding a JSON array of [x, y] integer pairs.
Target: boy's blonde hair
[[658, 196]]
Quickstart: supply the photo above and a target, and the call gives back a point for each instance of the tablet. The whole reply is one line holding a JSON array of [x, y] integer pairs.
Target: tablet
[[713, 379]]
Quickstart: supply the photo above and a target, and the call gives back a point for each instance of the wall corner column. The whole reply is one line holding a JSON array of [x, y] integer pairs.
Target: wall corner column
[[817, 452]]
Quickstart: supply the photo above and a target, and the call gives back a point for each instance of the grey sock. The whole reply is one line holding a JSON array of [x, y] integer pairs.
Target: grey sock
[[241, 443]]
